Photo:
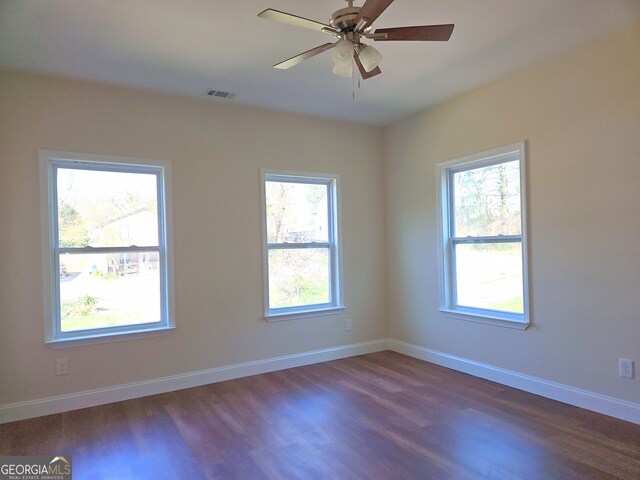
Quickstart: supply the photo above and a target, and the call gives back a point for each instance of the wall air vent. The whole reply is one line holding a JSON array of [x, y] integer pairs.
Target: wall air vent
[[219, 93]]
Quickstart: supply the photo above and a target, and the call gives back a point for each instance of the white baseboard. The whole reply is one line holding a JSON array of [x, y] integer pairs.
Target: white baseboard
[[596, 402], [90, 398]]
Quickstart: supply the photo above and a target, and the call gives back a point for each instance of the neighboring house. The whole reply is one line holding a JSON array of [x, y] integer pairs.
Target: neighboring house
[[308, 232], [138, 228], [314, 230]]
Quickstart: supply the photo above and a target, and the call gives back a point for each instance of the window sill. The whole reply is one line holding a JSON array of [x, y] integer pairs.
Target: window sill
[[488, 319], [321, 312], [108, 337]]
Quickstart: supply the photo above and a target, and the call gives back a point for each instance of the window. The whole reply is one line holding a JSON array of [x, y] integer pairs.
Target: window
[[106, 255], [483, 248], [301, 248]]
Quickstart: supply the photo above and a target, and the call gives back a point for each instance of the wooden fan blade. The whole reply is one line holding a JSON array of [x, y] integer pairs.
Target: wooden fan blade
[[293, 61], [278, 16], [365, 75], [427, 33], [372, 9]]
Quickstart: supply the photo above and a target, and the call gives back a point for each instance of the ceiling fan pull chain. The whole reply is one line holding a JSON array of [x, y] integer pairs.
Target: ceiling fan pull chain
[[353, 87], [356, 85]]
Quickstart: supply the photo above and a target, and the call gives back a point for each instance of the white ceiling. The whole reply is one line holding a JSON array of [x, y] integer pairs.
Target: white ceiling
[[188, 46]]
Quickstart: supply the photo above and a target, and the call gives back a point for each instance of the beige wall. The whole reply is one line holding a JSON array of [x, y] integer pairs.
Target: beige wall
[[581, 117], [216, 151]]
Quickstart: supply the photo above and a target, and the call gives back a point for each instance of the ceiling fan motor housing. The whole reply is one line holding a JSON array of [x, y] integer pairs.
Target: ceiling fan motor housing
[[345, 18]]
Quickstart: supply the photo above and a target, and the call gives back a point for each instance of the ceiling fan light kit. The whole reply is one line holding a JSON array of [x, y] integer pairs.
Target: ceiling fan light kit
[[342, 52], [343, 69], [370, 58], [350, 26], [342, 56]]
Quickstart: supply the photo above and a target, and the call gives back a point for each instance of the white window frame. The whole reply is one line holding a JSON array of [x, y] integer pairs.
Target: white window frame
[[333, 245], [447, 281], [50, 161]]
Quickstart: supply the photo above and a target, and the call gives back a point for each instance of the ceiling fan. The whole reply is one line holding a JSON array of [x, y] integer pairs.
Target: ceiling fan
[[351, 25]]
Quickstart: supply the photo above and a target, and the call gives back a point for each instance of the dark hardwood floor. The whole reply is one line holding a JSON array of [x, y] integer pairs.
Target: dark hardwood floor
[[379, 416]]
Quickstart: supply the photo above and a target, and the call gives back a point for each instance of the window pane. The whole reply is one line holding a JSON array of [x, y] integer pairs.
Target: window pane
[[487, 200], [109, 290], [297, 212], [298, 277], [106, 209], [490, 276]]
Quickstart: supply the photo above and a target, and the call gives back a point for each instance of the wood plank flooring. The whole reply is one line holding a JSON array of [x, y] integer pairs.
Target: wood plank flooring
[[380, 416]]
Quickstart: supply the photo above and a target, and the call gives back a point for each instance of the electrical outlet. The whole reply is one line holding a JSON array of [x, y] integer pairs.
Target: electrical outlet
[[62, 366], [348, 325], [626, 368]]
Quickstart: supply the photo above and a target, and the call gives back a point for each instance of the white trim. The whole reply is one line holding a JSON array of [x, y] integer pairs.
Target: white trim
[[90, 398], [81, 341], [334, 246], [484, 317], [46, 217], [596, 402], [319, 312], [162, 169], [515, 151]]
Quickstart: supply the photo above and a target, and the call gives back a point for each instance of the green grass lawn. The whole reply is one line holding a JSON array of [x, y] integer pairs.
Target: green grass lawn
[[81, 315], [512, 305]]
